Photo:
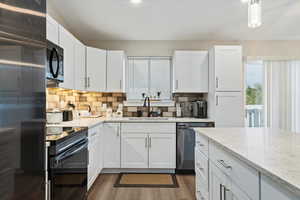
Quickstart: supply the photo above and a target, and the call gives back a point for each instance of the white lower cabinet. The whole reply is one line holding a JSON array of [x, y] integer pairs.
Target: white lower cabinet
[[112, 145], [134, 150], [217, 183], [95, 154], [143, 148], [221, 176], [162, 150], [271, 190]]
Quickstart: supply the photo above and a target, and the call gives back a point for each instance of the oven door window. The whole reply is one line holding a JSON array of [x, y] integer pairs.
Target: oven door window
[[69, 175]]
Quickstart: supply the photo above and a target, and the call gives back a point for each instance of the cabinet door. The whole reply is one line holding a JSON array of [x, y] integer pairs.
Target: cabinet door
[[93, 159], [272, 190], [115, 71], [217, 183], [162, 150], [52, 30], [190, 71], [67, 41], [235, 193], [229, 111], [228, 68], [79, 66], [96, 69], [134, 150], [100, 148], [112, 146]]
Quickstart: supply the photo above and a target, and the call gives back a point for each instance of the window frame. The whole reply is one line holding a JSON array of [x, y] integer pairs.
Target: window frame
[[133, 96]]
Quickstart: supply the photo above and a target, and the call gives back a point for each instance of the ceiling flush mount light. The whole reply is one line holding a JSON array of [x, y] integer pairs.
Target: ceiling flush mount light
[[254, 13], [136, 1]]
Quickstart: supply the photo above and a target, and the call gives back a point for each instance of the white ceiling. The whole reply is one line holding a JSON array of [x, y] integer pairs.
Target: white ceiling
[[178, 19]]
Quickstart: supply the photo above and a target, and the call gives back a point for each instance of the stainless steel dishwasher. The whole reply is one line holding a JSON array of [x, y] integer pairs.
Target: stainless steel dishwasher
[[185, 143]]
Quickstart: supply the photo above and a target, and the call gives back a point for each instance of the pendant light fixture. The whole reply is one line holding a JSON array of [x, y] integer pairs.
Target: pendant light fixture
[[254, 13]]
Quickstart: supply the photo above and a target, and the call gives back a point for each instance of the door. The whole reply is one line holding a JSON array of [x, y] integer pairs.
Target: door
[[162, 150], [67, 41], [229, 110], [217, 182], [134, 150], [228, 68], [79, 66], [96, 69], [112, 146], [190, 71], [52, 30], [115, 70]]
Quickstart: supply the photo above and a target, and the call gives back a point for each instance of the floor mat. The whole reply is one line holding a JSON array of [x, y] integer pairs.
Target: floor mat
[[146, 180]]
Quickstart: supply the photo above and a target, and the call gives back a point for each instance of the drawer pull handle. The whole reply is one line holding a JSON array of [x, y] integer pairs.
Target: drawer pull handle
[[222, 162], [199, 167]]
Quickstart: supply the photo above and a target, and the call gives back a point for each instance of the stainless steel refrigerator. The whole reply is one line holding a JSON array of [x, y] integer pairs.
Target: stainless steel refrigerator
[[22, 99]]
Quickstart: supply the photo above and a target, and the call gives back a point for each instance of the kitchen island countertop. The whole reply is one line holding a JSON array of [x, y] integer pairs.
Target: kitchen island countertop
[[274, 153]]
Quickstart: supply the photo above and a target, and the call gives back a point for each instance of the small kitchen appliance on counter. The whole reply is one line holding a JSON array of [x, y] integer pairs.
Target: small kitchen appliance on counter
[[199, 109], [67, 115]]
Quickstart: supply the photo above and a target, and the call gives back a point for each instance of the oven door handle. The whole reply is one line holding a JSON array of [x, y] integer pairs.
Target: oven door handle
[[70, 152]]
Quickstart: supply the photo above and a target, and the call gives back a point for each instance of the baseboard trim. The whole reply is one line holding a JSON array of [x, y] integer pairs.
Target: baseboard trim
[[117, 171]]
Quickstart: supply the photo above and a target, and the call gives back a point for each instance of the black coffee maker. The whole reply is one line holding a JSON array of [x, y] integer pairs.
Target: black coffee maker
[[199, 109]]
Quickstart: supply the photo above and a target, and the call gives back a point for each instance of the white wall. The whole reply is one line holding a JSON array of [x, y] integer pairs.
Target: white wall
[[166, 48]]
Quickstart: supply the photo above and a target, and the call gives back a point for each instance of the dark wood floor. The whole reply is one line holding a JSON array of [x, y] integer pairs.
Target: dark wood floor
[[103, 190]]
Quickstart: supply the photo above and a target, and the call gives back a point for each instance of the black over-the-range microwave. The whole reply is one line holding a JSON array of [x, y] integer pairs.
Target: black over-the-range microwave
[[55, 62]]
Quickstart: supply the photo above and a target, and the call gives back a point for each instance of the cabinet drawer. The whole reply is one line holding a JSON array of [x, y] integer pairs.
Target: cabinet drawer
[[202, 191], [246, 177], [201, 165], [149, 127], [93, 132], [202, 143]]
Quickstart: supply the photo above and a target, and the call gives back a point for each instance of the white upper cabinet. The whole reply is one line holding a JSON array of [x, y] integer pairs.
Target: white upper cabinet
[[96, 69], [226, 68], [190, 72], [115, 71], [67, 42], [80, 79], [52, 30]]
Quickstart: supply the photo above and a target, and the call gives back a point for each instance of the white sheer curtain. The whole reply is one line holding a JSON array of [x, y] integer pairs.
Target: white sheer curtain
[[283, 94]]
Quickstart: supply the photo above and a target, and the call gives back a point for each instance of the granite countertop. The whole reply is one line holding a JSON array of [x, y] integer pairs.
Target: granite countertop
[[91, 122], [274, 153]]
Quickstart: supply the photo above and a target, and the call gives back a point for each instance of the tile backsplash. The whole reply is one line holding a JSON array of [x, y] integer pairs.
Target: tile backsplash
[[58, 99]]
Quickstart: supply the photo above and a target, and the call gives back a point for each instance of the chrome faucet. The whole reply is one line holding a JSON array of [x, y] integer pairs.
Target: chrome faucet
[[148, 106]]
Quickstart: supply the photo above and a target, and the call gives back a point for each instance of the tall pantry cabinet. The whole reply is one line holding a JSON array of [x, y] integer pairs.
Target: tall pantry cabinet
[[226, 95]]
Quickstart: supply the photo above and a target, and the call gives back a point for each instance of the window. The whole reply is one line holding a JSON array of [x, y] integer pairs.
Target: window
[[255, 84], [149, 76]]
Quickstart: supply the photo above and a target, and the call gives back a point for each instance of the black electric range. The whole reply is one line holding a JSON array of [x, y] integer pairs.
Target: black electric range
[[67, 162]]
